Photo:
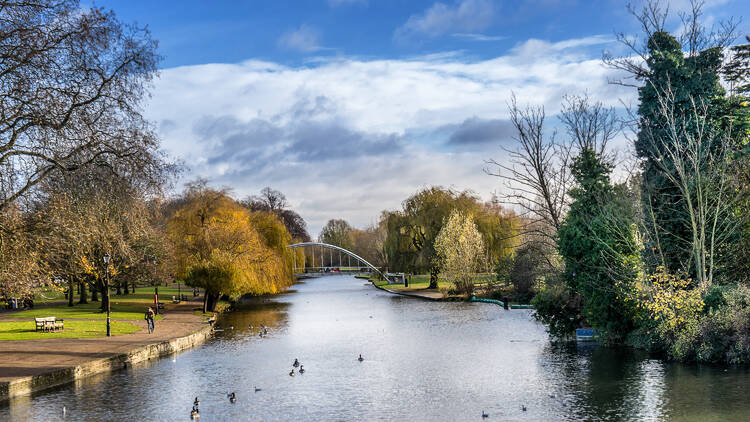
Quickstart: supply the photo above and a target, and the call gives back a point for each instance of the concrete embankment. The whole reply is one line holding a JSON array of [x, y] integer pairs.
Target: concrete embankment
[[33, 383]]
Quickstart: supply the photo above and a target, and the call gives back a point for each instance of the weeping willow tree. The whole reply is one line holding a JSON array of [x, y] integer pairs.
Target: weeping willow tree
[[226, 249]]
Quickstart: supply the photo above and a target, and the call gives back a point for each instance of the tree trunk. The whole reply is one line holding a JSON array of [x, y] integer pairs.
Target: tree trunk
[[127, 292], [95, 292], [70, 291], [82, 291], [119, 288], [205, 302], [434, 272], [211, 300]]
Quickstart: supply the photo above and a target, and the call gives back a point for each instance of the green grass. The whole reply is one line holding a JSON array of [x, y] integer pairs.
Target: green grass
[[25, 330], [422, 281], [130, 306]]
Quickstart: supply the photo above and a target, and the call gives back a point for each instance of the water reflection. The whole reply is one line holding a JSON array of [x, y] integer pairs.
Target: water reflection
[[423, 361]]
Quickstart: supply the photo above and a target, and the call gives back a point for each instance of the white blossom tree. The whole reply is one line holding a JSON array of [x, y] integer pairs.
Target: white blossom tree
[[459, 247]]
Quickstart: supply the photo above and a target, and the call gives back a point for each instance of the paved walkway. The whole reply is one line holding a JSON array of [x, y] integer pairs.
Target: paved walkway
[[22, 358]]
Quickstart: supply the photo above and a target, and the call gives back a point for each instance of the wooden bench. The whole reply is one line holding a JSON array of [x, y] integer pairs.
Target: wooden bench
[[49, 324]]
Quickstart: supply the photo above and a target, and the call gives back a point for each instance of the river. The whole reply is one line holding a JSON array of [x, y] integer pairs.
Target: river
[[423, 361]]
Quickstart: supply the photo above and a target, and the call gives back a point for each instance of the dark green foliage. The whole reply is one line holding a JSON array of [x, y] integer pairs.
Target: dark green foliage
[[528, 267], [692, 80], [597, 242], [559, 308]]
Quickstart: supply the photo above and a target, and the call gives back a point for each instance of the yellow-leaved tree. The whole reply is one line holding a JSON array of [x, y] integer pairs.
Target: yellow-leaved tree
[[219, 248], [459, 248]]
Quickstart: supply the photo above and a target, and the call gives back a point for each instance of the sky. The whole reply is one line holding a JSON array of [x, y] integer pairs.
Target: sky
[[350, 106]]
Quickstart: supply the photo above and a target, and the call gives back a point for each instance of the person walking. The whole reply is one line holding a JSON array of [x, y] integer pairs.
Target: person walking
[[150, 319]]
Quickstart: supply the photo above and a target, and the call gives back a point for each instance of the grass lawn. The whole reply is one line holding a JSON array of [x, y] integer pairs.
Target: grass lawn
[[422, 281], [130, 306], [25, 330]]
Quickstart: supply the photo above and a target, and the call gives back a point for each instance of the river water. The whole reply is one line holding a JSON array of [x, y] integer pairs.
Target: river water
[[423, 361]]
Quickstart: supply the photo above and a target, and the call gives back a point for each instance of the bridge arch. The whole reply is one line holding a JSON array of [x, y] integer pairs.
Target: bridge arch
[[339, 249]]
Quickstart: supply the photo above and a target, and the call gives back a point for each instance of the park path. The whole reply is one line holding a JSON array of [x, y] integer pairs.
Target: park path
[[22, 358]]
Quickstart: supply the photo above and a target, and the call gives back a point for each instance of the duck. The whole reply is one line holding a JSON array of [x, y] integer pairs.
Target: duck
[[360, 358], [485, 415], [301, 369], [523, 407], [296, 363], [291, 373], [232, 397], [195, 414], [196, 402], [256, 389]]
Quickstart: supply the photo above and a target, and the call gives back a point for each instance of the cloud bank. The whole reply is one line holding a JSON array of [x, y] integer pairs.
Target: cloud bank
[[348, 138]]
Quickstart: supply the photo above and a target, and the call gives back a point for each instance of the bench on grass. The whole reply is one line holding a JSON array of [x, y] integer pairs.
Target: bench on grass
[[49, 324]]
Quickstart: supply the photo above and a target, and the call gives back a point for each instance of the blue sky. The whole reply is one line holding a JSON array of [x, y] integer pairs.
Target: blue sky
[[349, 106]]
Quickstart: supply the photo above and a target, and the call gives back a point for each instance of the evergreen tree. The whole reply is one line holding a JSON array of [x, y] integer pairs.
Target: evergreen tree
[[692, 80], [598, 244]]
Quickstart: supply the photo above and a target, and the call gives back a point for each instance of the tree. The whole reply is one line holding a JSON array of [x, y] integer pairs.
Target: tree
[[271, 200], [410, 244], [459, 247], [337, 232], [71, 84], [537, 177], [220, 250], [600, 247]]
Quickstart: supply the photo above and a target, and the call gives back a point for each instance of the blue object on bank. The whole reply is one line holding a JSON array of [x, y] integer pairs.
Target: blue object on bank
[[585, 334]]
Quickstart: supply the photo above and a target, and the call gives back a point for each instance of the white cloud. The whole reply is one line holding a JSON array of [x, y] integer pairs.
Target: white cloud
[[305, 39], [347, 138], [440, 18], [478, 37]]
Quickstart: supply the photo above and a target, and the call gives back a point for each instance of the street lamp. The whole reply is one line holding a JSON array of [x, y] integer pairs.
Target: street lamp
[[106, 264]]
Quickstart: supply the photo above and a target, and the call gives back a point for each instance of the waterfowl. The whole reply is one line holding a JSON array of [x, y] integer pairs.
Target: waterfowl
[[194, 414], [256, 389], [301, 369], [196, 402], [552, 396], [484, 415], [360, 358], [523, 407], [296, 363], [232, 397], [291, 373]]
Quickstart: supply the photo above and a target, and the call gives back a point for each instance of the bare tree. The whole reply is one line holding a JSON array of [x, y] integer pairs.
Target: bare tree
[[695, 157], [652, 16], [71, 84], [537, 176], [590, 125]]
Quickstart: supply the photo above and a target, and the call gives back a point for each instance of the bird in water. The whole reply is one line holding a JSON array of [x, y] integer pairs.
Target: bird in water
[[296, 363], [360, 358], [291, 373], [301, 369], [256, 389], [196, 402], [523, 407], [484, 415], [232, 397], [195, 414], [552, 396]]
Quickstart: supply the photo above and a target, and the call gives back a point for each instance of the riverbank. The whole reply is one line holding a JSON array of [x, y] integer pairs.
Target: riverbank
[[34, 365]]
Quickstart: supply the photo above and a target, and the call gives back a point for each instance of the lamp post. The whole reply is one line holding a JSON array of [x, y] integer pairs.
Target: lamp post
[[156, 288], [106, 265]]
